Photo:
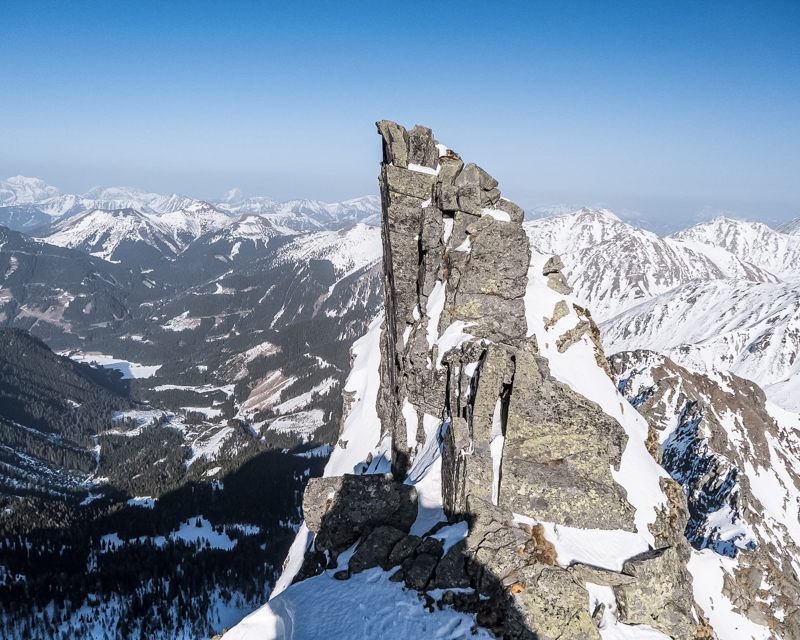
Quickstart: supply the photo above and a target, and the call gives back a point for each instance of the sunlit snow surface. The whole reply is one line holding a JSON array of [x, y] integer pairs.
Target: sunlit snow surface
[[708, 570], [365, 606], [129, 369], [362, 427]]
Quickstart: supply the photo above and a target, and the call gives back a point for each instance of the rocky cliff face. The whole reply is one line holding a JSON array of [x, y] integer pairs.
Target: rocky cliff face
[[487, 460], [736, 457]]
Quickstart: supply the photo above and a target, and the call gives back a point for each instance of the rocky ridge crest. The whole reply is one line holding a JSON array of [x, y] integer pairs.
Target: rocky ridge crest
[[737, 465], [467, 395]]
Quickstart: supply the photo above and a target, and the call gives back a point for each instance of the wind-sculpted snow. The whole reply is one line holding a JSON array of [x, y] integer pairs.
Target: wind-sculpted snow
[[751, 329], [753, 242], [613, 266]]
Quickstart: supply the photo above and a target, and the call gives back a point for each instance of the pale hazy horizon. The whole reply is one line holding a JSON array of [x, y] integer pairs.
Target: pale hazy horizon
[[657, 113]]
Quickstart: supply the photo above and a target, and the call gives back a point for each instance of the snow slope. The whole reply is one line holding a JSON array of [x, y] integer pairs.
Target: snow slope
[[577, 367], [348, 249], [753, 242], [128, 369], [365, 606], [613, 266], [751, 329], [792, 227]]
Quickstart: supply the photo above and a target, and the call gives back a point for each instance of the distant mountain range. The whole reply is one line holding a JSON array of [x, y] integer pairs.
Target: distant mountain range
[[242, 311], [721, 296], [29, 203]]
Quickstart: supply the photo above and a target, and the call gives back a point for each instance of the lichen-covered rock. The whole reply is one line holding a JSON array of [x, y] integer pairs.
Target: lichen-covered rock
[[558, 453], [561, 310], [555, 606], [340, 509], [558, 283], [395, 143], [422, 149], [661, 595], [584, 573], [572, 336], [553, 265]]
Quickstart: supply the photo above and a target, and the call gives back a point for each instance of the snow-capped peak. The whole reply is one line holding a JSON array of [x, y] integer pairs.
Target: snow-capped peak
[[615, 266], [233, 196], [22, 190], [792, 227], [752, 242]]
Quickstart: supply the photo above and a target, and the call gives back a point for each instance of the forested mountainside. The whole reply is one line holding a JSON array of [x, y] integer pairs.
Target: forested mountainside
[[169, 480]]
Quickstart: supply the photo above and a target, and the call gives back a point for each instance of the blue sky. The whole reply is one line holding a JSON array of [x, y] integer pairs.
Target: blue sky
[[666, 109]]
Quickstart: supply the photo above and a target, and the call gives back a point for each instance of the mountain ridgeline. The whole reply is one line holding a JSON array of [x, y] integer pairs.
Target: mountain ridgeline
[[175, 473], [497, 475], [601, 443]]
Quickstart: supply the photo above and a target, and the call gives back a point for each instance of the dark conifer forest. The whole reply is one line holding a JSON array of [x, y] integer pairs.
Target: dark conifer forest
[[163, 505]]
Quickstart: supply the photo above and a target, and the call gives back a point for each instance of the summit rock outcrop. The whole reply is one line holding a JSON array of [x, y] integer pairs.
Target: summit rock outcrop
[[539, 510], [455, 349]]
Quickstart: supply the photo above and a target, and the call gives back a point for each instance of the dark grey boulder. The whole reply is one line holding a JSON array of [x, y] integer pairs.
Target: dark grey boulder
[[373, 551], [419, 574], [404, 548], [451, 571], [340, 509]]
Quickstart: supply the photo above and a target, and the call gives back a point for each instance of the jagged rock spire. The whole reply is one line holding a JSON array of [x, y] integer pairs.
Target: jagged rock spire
[[463, 378], [455, 349], [455, 269]]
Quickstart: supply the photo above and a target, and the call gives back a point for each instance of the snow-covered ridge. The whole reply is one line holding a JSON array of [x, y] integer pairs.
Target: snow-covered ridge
[[614, 266], [101, 232], [719, 296], [293, 216], [22, 190], [752, 242], [749, 328], [348, 249], [792, 227]]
